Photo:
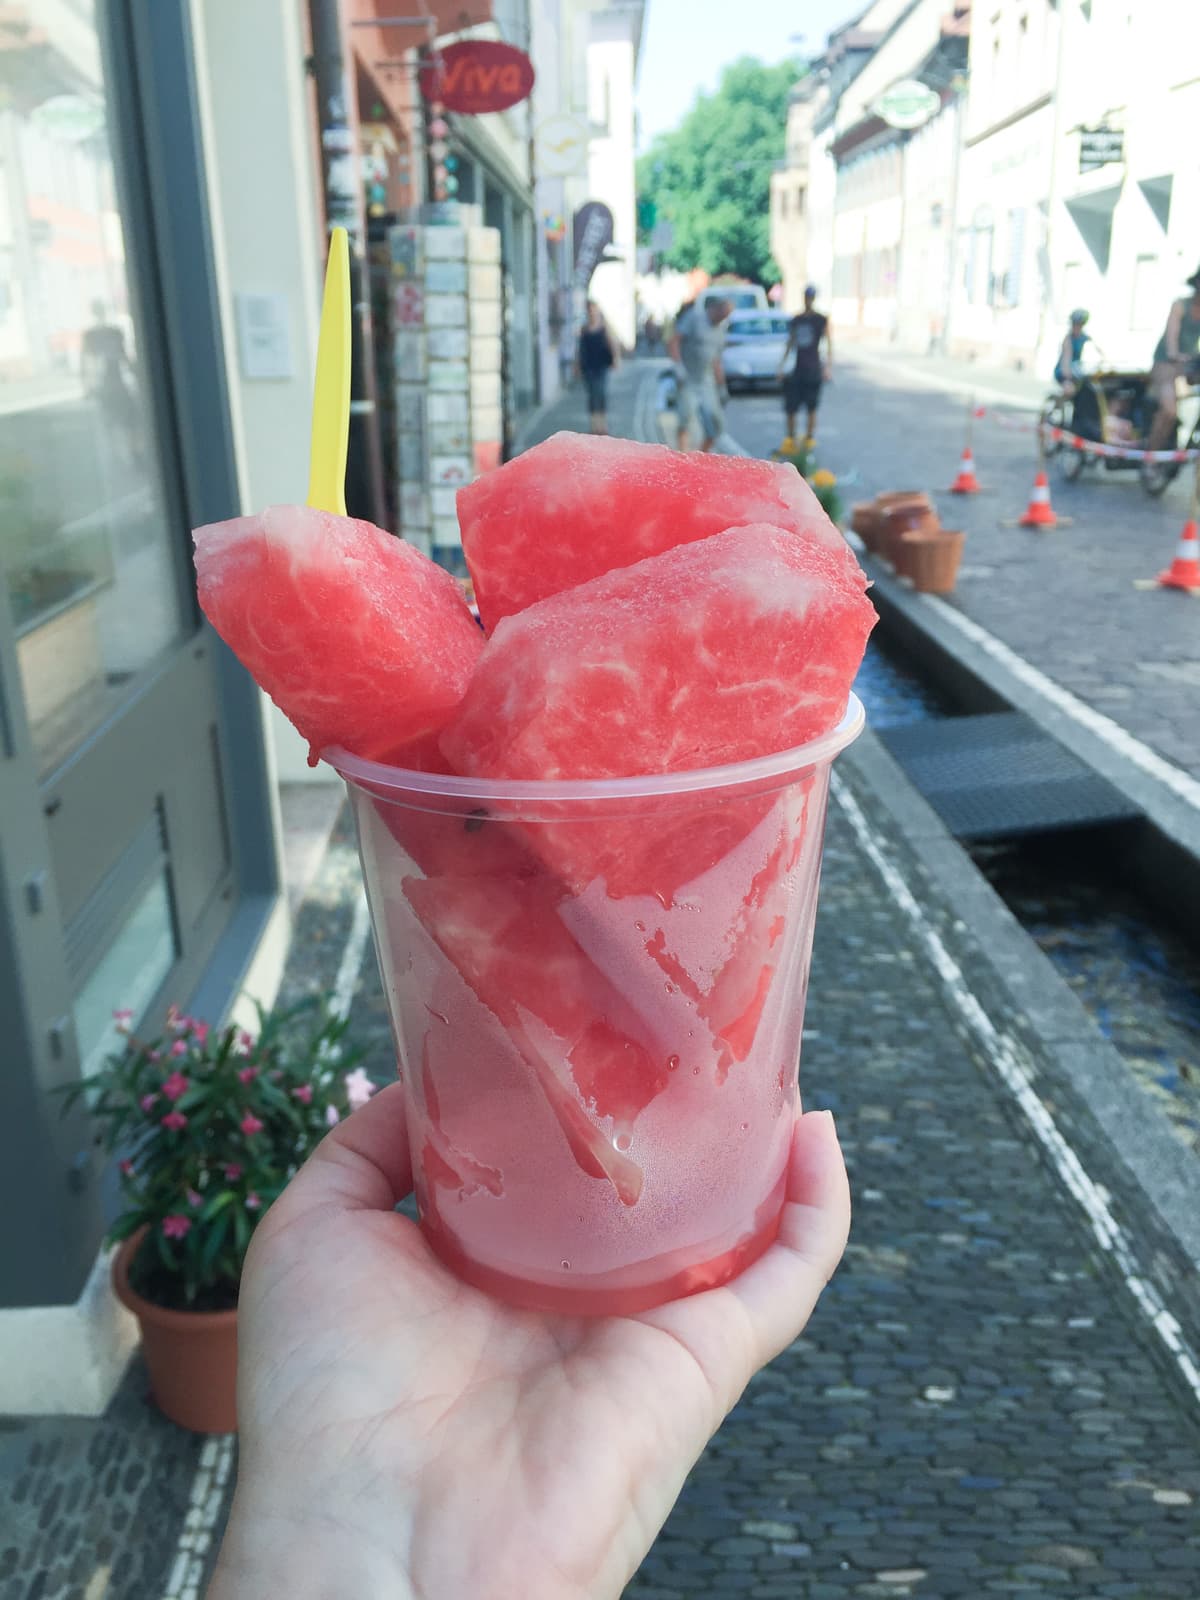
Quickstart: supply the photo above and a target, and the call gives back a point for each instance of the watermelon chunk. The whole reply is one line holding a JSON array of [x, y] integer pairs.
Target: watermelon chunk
[[357, 637], [576, 507], [570, 1024], [714, 652]]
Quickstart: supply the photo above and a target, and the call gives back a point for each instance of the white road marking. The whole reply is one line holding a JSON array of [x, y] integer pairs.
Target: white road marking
[[1117, 738], [1001, 1051], [352, 957], [204, 1507]]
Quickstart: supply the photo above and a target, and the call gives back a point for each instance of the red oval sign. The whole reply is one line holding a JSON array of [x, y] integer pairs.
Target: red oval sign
[[478, 75]]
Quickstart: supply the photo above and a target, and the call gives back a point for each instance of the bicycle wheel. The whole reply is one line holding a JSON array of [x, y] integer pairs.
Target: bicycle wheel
[[1156, 475], [1071, 462], [1054, 415]]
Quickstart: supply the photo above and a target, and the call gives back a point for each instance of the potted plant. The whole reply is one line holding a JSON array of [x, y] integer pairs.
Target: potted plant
[[209, 1125], [824, 485]]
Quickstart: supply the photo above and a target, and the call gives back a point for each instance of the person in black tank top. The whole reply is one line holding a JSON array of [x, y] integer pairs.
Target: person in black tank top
[[802, 385], [597, 356]]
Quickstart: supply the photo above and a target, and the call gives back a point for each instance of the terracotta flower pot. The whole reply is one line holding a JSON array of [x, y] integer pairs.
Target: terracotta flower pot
[[865, 519], [191, 1355], [932, 559], [907, 516]]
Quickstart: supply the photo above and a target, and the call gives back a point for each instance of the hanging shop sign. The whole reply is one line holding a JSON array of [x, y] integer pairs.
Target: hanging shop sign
[[477, 75], [561, 145], [593, 233], [1100, 147], [908, 104]]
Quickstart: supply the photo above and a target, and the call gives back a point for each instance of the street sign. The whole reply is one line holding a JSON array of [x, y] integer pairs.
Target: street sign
[[907, 104], [1100, 147], [477, 75], [592, 232]]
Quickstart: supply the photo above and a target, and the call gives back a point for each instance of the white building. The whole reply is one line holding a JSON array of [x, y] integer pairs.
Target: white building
[[1038, 235], [894, 139], [614, 39], [585, 57]]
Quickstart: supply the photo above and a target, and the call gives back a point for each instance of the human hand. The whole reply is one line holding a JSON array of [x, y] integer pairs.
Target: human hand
[[405, 1435]]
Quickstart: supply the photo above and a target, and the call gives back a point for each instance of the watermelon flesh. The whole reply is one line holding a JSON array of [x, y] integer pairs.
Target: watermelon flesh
[[711, 653], [577, 1035], [358, 638], [576, 507]]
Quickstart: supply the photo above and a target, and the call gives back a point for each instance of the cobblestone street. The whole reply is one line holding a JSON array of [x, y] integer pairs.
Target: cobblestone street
[[1063, 600]]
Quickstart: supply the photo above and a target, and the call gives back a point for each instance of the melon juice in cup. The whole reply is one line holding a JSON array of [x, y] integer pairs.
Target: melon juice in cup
[[601, 1091]]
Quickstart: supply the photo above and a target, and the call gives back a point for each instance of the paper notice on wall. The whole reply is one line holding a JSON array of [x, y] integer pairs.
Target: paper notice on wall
[[446, 310], [446, 277], [445, 244], [264, 342], [448, 344], [447, 375], [408, 354]]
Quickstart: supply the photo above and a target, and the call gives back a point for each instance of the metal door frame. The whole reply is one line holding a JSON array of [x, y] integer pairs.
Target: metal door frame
[[48, 1175]]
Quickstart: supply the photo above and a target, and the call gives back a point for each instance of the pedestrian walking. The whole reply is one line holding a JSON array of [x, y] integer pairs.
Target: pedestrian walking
[[1176, 355], [598, 355], [695, 347], [802, 385]]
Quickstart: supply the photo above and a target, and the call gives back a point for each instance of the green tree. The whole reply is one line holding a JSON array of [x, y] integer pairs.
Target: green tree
[[710, 178]]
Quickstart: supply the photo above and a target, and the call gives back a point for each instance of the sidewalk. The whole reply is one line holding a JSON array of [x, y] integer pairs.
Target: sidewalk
[[988, 1402]]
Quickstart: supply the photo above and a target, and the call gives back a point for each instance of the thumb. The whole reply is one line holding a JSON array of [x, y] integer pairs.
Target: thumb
[[363, 1164]]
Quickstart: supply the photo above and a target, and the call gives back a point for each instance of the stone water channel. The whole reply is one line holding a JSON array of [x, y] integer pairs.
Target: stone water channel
[[1136, 976]]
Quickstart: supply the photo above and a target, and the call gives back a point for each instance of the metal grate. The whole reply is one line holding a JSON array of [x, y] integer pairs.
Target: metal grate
[[998, 776]]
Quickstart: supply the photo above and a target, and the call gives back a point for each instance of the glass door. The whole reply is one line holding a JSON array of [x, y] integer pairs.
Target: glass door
[[137, 855], [110, 690]]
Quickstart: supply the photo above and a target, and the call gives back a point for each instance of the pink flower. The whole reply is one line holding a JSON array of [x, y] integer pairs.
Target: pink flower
[[250, 1125], [154, 1055], [174, 1120], [175, 1085], [245, 1039], [252, 1202], [200, 1032], [183, 1024], [331, 1117], [173, 1014], [126, 1167], [194, 1198], [149, 1101], [359, 1088], [248, 1074], [232, 1172], [179, 1048], [177, 1227], [303, 1093], [124, 1015]]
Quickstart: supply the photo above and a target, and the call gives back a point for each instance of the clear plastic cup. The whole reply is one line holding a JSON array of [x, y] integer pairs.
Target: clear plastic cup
[[597, 993]]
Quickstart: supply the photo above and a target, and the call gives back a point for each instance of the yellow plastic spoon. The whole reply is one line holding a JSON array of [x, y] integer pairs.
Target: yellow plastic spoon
[[331, 388]]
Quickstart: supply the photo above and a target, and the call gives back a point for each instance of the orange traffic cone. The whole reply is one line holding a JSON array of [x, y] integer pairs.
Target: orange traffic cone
[[1039, 513], [1184, 571], [966, 482]]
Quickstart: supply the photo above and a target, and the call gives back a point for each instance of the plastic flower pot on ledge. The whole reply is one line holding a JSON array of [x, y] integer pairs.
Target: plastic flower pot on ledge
[[931, 559], [191, 1356]]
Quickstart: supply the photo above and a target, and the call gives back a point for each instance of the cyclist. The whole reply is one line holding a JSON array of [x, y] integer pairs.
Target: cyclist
[[1177, 355], [1068, 369]]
